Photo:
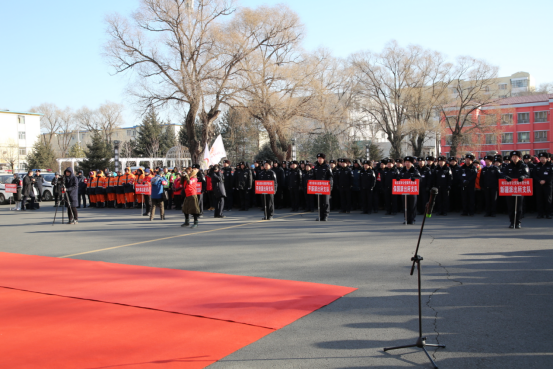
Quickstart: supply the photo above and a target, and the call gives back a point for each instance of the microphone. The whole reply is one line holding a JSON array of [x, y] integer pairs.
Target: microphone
[[431, 202]]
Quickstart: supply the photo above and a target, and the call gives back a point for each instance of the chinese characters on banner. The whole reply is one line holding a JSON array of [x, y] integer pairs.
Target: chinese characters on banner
[[143, 189], [198, 187], [11, 188], [405, 187], [318, 187], [265, 187], [515, 188]]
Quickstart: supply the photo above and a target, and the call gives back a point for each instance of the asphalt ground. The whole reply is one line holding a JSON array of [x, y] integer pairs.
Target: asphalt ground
[[487, 290]]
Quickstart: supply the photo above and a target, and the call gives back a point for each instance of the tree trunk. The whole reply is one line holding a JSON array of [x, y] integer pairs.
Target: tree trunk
[[395, 152], [193, 144]]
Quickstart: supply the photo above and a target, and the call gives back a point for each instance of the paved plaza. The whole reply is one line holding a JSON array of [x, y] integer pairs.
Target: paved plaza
[[487, 289]]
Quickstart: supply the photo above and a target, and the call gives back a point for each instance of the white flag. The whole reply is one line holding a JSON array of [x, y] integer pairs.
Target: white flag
[[206, 162], [217, 151]]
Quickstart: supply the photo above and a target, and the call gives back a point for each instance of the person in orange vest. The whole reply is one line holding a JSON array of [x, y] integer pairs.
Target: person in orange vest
[[101, 185], [119, 190], [110, 190], [128, 187], [92, 189]]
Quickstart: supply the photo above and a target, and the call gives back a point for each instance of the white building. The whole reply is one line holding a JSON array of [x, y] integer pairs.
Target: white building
[[18, 133]]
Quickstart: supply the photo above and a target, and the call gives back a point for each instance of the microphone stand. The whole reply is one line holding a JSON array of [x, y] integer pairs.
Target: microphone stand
[[421, 341]]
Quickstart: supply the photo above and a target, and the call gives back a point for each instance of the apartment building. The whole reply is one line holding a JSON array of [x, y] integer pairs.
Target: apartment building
[[19, 132]]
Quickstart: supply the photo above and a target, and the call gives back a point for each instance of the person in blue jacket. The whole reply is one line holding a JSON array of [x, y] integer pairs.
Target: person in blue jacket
[[158, 183]]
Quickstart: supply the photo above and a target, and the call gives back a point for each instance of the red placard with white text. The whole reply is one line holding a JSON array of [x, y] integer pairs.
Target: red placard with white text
[[265, 187], [405, 187], [318, 187], [516, 188], [11, 188], [198, 187], [143, 189]]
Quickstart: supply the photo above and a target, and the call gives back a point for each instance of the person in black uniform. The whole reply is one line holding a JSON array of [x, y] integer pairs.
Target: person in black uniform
[[515, 170], [430, 163], [543, 178], [81, 196], [456, 192], [388, 175], [323, 172], [442, 179], [269, 200], [489, 183], [228, 173], [425, 184], [468, 183], [356, 186], [378, 192], [345, 183], [506, 161], [501, 201], [399, 198], [529, 201], [335, 193], [308, 174], [280, 181], [295, 185], [39, 181], [219, 190], [367, 181], [243, 183], [285, 193], [410, 172]]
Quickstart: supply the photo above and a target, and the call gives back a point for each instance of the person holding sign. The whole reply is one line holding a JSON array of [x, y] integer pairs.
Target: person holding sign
[[409, 172], [268, 175], [516, 169], [17, 196], [543, 176], [322, 172]]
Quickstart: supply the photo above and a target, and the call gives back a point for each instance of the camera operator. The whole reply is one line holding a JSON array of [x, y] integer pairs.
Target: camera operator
[[27, 191], [57, 182], [71, 187]]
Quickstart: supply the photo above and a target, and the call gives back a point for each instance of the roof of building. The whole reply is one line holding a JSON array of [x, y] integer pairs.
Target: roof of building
[[525, 99], [19, 112]]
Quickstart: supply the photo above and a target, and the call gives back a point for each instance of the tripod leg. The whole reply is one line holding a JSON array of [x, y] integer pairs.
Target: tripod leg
[[433, 345], [430, 358]]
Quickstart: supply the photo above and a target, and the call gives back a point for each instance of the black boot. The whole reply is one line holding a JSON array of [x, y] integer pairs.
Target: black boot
[[186, 221], [195, 225]]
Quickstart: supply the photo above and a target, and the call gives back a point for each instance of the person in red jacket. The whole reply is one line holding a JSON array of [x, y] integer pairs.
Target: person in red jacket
[[190, 204]]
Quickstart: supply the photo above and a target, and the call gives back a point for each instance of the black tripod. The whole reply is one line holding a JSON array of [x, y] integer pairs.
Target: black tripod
[[421, 341], [64, 199]]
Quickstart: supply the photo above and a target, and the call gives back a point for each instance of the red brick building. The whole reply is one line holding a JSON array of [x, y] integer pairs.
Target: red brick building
[[523, 123]]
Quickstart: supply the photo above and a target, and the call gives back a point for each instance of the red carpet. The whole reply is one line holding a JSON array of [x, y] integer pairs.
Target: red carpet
[[52, 332], [257, 301]]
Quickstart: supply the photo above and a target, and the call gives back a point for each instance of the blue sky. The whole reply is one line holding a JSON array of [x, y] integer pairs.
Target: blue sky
[[50, 50]]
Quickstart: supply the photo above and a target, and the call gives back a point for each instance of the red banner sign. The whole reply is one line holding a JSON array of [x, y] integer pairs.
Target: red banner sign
[[198, 188], [265, 187], [143, 189], [516, 188], [318, 187], [11, 188], [405, 187]]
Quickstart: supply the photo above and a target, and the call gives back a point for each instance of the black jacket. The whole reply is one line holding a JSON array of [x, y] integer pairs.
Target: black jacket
[[388, 175], [227, 175], [543, 172], [457, 172], [489, 177], [442, 177], [306, 177], [412, 173], [39, 180], [218, 184], [81, 184], [56, 185], [518, 171], [468, 176], [367, 179], [71, 184], [345, 178], [426, 178], [27, 186], [280, 175], [268, 175], [294, 179], [243, 179], [322, 172]]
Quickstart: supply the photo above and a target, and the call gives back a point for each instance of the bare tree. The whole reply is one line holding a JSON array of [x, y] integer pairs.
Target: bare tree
[[66, 131], [87, 119], [50, 122], [471, 85], [109, 117], [9, 152]]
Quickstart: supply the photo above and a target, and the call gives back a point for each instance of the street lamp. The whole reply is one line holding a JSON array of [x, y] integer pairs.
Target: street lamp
[[294, 149], [116, 154]]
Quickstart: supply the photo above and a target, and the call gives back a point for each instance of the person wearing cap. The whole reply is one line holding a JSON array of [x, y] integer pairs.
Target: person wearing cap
[[356, 186], [442, 179], [335, 167], [128, 180], [243, 182], [90, 190], [425, 184], [294, 184], [516, 170], [200, 194], [388, 175], [57, 183], [219, 190], [82, 184], [543, 178], [308, 175], [110, 189], [530, 201], [367, 182], [430, 163], [469, 174], [322, 172], [506, 161], [280, 179], [119, 191], [378, 192], [39, 181], [285, 192], [269, 200], [71, 186], [228, 181], [456, 192], [410, 172], [489, 183], [344, 182], [101, 184]]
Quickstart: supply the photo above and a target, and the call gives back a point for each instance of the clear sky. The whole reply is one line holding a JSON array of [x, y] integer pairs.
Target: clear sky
[[50, 50]]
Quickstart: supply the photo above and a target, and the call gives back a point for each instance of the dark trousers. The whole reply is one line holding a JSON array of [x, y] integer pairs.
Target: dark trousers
[[442, 201], [309, 201], [345, 200], [229, 199], [376, 194], [72, 213], [279, 198], [244, 199], [294, 195], [411, 207], [157, 203], [511, 208], [355, 200], [200, 201], [366, 200], [219, 206], [542, 193], [390, 202], [424, 195], [57, 197], [39, 194], [335, 193], [468, 200], [490, 198], [24, 200], [169, 202], [456, 198], [269, 201], [211, 199], [324, 206], [81, 197]]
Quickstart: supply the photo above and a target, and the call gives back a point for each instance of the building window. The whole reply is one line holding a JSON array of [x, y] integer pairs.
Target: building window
[[523, 137], [507, 138], [506, 119], [539, 151], [540, 117], [448, 140], [506, 153], [486, 88], [540, 136], [502, 86], [21, 135], [128, 133], [22, 151], [23, 166], [525, 152], [488, 120], [21, 119], [519, 83], [523, 118], [491, 139]]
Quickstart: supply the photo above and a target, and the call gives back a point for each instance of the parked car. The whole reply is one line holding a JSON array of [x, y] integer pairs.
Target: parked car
[[4, 196]]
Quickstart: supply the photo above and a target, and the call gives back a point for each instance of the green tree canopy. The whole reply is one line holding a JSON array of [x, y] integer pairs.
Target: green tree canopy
[[41, 156], [327, 144], [98, 154], [76, 151]]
